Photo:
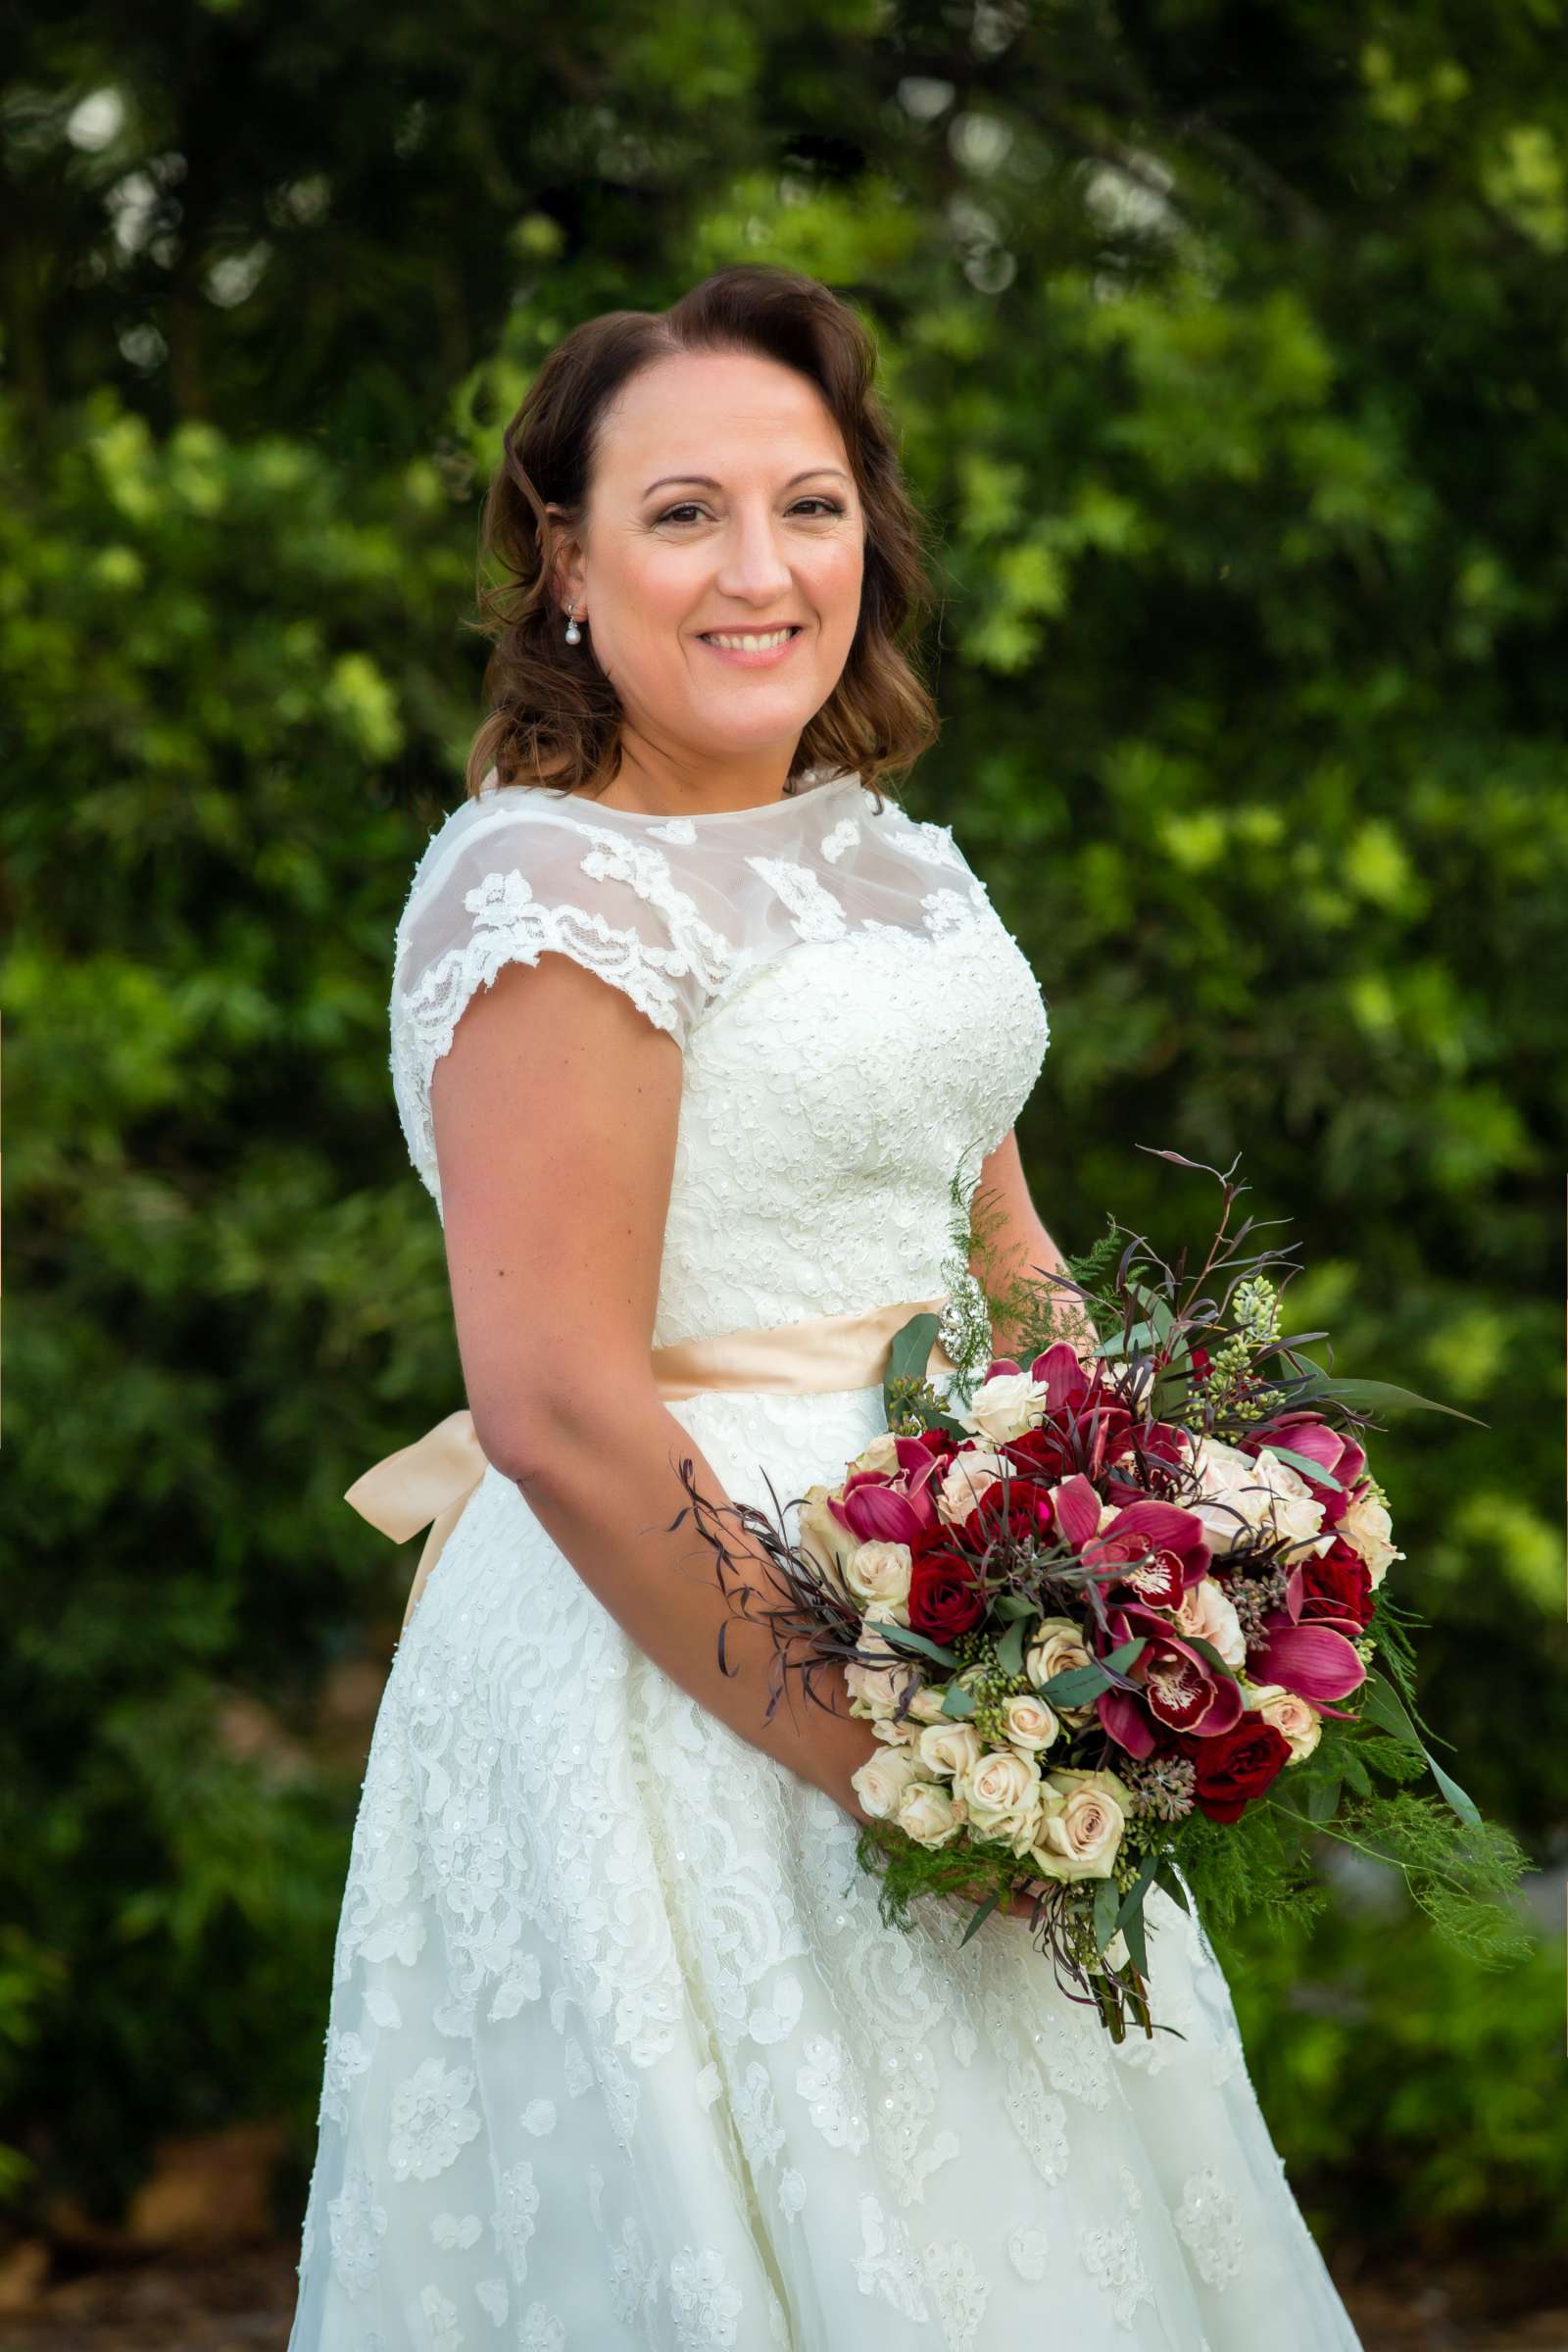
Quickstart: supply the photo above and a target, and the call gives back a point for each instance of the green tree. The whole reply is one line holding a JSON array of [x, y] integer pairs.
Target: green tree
[[1225, 356]]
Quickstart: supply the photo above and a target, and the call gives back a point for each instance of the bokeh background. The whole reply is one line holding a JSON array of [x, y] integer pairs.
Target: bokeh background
[[1228, 350]]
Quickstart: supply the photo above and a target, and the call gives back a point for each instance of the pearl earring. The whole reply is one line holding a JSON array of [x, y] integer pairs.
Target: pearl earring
[[574, 633]]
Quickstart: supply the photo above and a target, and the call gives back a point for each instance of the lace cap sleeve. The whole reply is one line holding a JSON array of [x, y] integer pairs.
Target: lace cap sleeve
[[507, 879]]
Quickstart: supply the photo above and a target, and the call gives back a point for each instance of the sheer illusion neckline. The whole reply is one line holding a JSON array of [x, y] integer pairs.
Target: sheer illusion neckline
[[817, 791]]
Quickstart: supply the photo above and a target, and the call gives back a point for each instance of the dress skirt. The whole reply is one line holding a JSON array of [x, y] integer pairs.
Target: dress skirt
[[622, 2055]]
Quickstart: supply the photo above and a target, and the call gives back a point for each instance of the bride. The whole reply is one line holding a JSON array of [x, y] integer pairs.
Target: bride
[[698, 1040]]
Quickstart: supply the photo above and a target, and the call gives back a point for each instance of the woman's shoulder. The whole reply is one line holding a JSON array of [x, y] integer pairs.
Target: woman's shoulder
[[496, 812]]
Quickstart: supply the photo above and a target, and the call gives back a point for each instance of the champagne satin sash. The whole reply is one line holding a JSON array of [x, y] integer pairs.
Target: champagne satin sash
[[428, 1484]]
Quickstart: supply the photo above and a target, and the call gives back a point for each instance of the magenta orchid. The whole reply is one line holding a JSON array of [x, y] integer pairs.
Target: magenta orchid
[[892, 1506]]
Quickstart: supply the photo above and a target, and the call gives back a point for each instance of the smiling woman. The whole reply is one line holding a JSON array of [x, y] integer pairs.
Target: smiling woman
[[679, 487], [767, 582]]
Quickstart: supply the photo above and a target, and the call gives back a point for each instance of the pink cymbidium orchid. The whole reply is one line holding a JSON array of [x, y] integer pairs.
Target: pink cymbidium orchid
[[892, 1506], [1178, 1688], [1317, 1660]]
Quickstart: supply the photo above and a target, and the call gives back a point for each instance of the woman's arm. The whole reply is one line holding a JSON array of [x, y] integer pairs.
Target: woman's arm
[[555, 1114], [1014, 1243]]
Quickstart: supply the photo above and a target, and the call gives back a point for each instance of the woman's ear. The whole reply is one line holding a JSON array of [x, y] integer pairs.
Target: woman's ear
[[566, 563]]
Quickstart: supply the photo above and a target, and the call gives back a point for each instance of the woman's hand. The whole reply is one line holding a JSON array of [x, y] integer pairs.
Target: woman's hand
[[1017, 1905]]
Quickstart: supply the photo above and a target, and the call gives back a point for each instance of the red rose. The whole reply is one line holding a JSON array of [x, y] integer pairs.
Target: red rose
[[1337, 1586], [945, 1596], [1236, 1766], [942, 1443], [1029, 1516]]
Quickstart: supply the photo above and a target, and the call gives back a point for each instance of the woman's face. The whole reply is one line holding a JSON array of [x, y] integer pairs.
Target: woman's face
[[722, 500]]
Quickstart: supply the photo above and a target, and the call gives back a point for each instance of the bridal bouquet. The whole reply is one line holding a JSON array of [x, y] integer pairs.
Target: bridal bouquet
[[1121, 1620]]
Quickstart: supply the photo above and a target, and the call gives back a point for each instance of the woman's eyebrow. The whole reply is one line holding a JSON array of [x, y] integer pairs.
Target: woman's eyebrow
[[707, 482]]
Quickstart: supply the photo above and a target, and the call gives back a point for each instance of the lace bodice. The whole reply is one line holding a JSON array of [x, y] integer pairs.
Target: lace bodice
[[859, 1028]]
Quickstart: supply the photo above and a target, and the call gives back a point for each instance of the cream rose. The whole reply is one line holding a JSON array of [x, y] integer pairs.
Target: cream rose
[[876, 1689], [1244, 1495], [1367, 1528], [1030, 1724], [880, 1572], [1002, 1789], [950, 1747], [1298, 1513], [881, 1455], [1296, 1719], [818, 1533], [901, 1732], [1219, 1467], [1003, 1407], [926, 1813], [1055, 1645], [881, 1780], [967, 1477], [1079, 1838], [926, 1705], [1208, 1610]]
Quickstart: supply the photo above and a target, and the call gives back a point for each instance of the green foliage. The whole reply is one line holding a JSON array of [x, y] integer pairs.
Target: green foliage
[[1458, 1877], [1252, 722], [905, 1872], [1264, 1873], [1416, 2099]]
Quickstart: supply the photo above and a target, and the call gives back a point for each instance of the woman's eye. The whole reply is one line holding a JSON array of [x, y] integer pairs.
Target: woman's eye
[[689, 505]]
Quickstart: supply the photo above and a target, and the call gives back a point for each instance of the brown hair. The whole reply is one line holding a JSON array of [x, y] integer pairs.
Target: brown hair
[[555, 717]]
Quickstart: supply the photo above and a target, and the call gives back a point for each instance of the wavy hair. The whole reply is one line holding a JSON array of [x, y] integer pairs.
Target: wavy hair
[[555, 717]]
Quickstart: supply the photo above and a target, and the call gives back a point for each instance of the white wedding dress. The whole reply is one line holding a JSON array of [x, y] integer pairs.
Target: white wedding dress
[[620, 2052]]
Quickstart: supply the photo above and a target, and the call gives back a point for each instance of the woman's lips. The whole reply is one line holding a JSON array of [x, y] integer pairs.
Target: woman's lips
[[766, 657]]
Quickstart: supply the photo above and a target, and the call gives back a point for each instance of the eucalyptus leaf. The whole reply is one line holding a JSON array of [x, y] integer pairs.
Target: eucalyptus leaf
[[1105, 1908], [1165, 1877], [1131, 1927], [1322, 1800], [1382, 1704], [1139, 1335], [905, 1636], [1133, 1900], [911, 1349], [1207, 1650], [1305, 1463], [1009, 1649], [1156, 1305], [1378, 1396], [1075, 1686], [983, 1911], [1017, 1605], [958, 1701]]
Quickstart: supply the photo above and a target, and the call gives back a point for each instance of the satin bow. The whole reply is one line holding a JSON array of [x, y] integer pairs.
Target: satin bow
[[430, 1482]]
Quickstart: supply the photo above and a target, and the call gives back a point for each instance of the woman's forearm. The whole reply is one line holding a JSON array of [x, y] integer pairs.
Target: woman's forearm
[[605, 1488]]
